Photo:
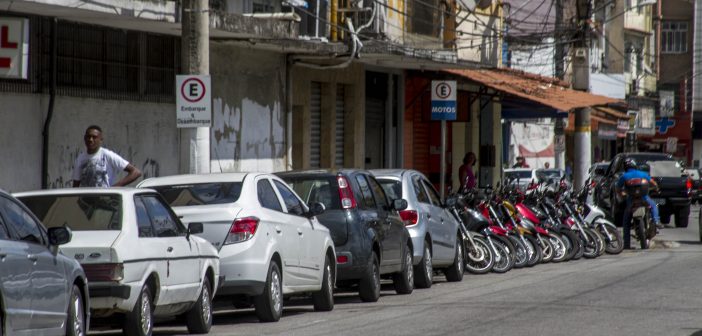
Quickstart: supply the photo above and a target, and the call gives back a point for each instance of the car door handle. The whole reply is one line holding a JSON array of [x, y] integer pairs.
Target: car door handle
[[299, 232], [169, 249], [32, 257], [278, 229], [428, 215]]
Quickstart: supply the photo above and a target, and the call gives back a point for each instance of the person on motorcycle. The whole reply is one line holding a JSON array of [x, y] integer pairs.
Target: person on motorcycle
[[633, 173]]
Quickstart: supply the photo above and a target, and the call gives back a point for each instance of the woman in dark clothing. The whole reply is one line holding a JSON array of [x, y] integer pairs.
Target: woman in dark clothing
[[465, 171]]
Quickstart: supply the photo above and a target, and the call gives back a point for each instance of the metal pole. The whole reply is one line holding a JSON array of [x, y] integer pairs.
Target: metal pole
[[442, 175], [195, 52], [559, 143]]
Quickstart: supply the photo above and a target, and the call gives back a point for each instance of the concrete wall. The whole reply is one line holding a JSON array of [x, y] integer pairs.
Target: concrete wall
[[143, 133], [478, 34], [536, 59], [674, 67], [248, 109]]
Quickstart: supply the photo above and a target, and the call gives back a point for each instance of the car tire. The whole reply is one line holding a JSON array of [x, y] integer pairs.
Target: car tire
[[199, 317], [269, 305], [682, 217], [324, 299], [75, 321], [424, 271], [404, 279], [455, 272], [369, 287], [140, 322]]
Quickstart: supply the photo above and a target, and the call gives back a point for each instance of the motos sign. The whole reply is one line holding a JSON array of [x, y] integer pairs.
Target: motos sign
[[14, 47]]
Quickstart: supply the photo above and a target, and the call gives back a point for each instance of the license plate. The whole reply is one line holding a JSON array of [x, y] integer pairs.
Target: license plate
[[659, 201]]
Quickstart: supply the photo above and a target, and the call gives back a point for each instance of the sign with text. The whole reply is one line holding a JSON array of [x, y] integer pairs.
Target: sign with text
[[193, 101], [443, 100], [667, 101], [14, 47]]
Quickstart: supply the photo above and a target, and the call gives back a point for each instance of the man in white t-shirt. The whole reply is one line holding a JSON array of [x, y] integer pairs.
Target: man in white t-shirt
[[100, 167]]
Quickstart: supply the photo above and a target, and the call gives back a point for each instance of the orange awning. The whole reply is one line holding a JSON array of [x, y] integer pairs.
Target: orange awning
[[546, 91]]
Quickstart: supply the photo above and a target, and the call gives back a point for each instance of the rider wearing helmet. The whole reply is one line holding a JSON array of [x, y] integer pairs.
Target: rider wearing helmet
[[631, 172]]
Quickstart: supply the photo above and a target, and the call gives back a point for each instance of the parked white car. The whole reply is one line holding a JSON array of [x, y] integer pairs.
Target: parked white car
[[270, 242], [138, 257]]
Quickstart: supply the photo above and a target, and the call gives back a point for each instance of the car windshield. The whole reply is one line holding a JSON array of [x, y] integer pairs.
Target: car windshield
[[518, 174], [77, 212], [200, 193], [317, 189], [548, 174], [393, 188]]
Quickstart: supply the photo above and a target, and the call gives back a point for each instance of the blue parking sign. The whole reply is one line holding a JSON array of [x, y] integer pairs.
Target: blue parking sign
[[443, 100]]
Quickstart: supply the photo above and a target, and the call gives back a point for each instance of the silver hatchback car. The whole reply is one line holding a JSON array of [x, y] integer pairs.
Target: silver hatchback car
[[435, 233], [42, 291]]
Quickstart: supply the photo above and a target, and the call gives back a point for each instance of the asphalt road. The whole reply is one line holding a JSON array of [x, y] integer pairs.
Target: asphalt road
[[653, 292]]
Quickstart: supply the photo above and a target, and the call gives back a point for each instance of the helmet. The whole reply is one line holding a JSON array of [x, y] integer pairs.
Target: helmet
[[629, 163]]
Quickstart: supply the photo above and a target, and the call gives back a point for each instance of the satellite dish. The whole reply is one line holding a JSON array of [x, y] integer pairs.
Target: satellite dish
[[467, 4]]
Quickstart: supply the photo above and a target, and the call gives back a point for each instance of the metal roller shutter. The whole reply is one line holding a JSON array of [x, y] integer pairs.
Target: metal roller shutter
[[316, 125], [339, 134]]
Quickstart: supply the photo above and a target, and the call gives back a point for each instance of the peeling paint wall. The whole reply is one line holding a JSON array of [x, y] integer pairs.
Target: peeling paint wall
[[248, 104], [143, 133]]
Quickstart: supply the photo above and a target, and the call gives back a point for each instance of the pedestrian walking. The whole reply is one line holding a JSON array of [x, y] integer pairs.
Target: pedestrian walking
[[465, 171], [100, 167]]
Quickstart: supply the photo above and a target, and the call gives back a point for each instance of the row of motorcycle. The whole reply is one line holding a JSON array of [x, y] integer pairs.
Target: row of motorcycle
[[506, 227]]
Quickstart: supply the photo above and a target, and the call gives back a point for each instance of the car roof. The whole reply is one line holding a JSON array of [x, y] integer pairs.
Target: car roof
[[125, 191], [193, 178], [318, 172], [506, 170], [380, 173]]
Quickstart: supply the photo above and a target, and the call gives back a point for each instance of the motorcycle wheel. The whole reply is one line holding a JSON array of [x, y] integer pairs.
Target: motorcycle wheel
[[506, 251], [547, 250], [535, 256], [641, 233], [580, 246], [560, 251], [571, 243], [521, 256], [613, 239], [591, 246], [601, 242], [479, 257]]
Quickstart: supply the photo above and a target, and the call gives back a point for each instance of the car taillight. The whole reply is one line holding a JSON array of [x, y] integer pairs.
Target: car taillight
[[242, 229], [345, 193], [342, 259], [410, 217], [104, 272], [689, 184]]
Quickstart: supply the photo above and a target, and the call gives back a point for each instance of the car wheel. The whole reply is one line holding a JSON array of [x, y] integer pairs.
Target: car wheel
[[404, 280], [424, 272], [269, 305], [369, 288], [324, 299], [139, 322], [199, 317], [682, 217], [75, 324], [455, 272]]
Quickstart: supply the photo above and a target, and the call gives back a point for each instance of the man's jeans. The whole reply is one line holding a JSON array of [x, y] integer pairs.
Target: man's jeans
[[627, 218]]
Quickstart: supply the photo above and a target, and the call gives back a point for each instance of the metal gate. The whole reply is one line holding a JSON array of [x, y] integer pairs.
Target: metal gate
[[339, 122], [315, 125], [375, 133]]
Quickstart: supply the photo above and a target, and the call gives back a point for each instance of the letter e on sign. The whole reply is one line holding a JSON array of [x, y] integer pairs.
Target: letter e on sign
[[14, 47], [193, 101]]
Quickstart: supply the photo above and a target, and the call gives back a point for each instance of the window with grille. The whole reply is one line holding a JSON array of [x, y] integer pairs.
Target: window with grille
[[674, 37]]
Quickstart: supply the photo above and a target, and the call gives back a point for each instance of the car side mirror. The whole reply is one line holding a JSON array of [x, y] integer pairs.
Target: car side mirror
[[59, 235], [399, 204], [195, 228], [316, 208], [450, 202]]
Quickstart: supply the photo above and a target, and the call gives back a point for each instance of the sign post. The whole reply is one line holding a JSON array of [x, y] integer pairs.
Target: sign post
[[443, 107], [193, 101]]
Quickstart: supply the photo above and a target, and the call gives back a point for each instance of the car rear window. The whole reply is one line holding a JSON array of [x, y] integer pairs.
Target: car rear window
[[393, 188], [78, 212], [200, 193], [323, 190]]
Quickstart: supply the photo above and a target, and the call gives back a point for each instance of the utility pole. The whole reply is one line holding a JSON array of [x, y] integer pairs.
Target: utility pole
[[195, 55], [581, 81], [558, 56]]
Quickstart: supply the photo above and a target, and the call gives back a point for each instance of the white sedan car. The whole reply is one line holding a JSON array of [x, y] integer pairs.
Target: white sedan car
[[138, 257], [270, 243]]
